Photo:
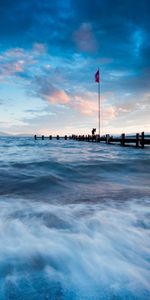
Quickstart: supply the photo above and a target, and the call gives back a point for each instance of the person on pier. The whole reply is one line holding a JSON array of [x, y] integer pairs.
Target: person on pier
[[93, 131]]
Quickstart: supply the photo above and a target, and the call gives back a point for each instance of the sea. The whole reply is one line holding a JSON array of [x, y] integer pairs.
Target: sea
[[74, 220]]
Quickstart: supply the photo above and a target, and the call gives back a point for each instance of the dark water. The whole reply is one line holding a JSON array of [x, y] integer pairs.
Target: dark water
[[74, 221]]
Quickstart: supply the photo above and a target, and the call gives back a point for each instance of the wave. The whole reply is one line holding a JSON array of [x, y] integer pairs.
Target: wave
[[101, 177], [74, 221], [73, 251]]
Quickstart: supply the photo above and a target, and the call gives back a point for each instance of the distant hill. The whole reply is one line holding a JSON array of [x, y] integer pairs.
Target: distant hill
[[4, 134], [23, 135]]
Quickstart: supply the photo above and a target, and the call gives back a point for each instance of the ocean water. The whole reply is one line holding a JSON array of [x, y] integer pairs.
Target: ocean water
[[74, 221]]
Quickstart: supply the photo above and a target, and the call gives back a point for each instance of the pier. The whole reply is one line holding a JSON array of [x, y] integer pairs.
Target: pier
[[50, 137], [138, 140]]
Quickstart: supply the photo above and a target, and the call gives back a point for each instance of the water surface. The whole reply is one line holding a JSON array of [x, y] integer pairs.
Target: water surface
[[74, 221]]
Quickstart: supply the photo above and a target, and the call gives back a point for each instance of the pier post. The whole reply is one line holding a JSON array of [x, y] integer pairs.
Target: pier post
[[50, 137], [57, 137], [107, 138], [98, 139], [142, 139], [65, 137], [35, 137], [123, 139], [42, 137], [137, 139]]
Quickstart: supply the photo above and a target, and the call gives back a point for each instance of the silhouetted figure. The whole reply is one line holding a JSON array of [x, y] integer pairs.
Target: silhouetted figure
[[93, 131]]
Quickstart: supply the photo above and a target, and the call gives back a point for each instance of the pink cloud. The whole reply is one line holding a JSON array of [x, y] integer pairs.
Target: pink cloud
[[12, 68], [84, 38], [49, 92], [58, 97], [19, 66], [85, 107], [109, 113], [17, 60]]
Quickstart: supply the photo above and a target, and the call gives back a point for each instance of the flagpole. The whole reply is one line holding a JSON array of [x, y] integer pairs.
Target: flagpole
[[99, 106], [97, 79]]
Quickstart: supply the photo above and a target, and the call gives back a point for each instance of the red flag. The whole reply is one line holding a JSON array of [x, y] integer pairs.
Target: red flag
[[97, 77]]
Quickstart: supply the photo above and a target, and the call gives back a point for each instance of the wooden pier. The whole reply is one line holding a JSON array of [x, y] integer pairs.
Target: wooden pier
[[50, 137], [139, 140]]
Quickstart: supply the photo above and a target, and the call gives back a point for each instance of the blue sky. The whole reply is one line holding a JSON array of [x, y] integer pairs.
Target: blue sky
[[49, 53]]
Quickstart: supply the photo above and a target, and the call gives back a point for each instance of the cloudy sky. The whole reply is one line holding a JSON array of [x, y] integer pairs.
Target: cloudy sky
[[49, 53]]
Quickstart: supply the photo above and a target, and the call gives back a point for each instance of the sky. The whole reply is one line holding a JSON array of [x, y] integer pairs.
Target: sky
[[49, 54]]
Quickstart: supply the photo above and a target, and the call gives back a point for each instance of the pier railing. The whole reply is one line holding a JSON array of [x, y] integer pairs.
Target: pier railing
[[138, 140]]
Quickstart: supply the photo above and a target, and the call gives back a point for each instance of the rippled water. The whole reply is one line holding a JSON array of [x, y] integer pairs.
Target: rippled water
[[74, 221]]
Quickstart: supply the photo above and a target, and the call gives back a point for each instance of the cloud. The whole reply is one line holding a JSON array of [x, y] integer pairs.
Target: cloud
[[39, 48], [13, 53], [46, 90], [19, 61], [110, 34], [52, 49], [84, 38], [36, 49], [109, 113], [58, 97], [111, 25], [133, 102], [85, 107]]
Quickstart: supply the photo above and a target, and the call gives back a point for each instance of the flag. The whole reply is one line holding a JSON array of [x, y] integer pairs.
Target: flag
[[97, 77]]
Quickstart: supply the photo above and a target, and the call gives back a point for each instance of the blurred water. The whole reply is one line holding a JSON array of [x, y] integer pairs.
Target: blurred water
[[74, 221]]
